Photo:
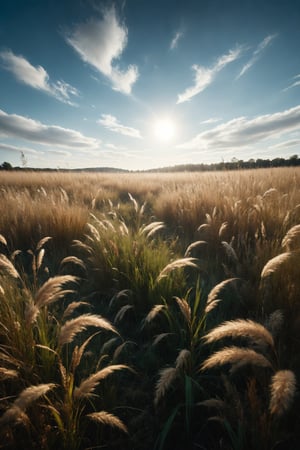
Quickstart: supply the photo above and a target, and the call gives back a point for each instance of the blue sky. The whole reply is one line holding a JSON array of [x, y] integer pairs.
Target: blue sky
[[137, 84]]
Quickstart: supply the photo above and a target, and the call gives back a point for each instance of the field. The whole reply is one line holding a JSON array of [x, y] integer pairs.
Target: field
[[147, 311]]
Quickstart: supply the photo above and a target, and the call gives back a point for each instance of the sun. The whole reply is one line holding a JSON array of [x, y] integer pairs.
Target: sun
[[164, 129]]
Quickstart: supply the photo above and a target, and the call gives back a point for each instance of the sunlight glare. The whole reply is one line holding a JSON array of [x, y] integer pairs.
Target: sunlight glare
[[164, 129]]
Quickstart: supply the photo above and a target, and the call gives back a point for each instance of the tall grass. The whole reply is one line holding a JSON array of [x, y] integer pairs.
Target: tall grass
[[149, 310]]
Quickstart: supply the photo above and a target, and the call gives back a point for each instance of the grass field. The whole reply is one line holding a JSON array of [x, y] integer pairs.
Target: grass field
[[147, 311]]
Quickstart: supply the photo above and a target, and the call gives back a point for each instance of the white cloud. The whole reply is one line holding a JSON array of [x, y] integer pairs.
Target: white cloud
[[15, 126], [204, 76], [36, 77], [256, 54], [111, 122], [241, 132], [176, 39], [100, 42]]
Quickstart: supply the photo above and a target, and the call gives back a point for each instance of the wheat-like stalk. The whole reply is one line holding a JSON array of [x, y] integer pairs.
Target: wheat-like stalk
[[16, 412], [193, 246], [7, 266], [31, 313], [283, 389], [51, 290], [167, 377], [152, 228], [291, 240], [73, 260], [87, 387], [8, 373], [177, 264], [78, 352], [74, 326], [288, 261], [106, 418], [3, 240], [42, 242], [241, 328], [153, 313], [184, 308], [72, 307], [235, 355], [216, 290], [184, 360]]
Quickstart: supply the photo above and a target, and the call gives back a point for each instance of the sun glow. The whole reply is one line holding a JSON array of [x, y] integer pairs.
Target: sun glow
[[164, 129]]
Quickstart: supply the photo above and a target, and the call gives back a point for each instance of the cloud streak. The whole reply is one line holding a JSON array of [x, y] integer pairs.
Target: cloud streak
[[176, 39], [204, 76], [241, 132], [294, 84], [111, 123], [36, 77], [100, 42], [15, 126], [257, 53]]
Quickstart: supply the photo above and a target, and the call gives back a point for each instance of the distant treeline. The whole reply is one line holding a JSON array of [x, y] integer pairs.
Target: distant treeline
[[234, 164]]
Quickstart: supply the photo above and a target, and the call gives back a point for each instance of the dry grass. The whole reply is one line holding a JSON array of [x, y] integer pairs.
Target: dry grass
[[74, 326], [235, 356], [283, 389], [254, 331]]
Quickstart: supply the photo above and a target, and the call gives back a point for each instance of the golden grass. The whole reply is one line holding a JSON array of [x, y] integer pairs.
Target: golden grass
[[283, 390], [254, 331]]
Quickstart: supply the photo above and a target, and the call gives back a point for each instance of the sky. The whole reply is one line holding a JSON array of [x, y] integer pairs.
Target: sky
[[136, 84]]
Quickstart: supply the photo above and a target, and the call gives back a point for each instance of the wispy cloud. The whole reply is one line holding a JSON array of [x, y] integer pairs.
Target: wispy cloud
[[204, 76], [174, 43], [16, 149], [257, 53], [211, 120], [15, 126], [241, 132], [100, 42], [294, 83], [112, 123], [36, 77]]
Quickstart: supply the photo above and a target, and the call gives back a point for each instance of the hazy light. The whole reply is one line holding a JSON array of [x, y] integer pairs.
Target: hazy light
[[164, 129]]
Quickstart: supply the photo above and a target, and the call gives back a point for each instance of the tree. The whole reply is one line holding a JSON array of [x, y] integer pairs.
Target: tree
[[6, 166]]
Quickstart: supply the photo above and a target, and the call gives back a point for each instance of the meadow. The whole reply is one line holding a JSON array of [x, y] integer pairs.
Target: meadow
[[147, 311]]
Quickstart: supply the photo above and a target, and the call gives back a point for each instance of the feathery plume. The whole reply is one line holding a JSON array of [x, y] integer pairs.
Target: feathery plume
[[193, 246], [16, 412], [152, 228], [42, 242], [51, 290], [8, 267], [184, 308], [73, 260], [288, 261], [184, 360], [72, 307], [241, 328], [153, 313], [291, 240], [106, 418], [177, 264], [235, 355], [166, 379], [74, 326], [3, 240], [283, 388], [87, 387], [216, 290]]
